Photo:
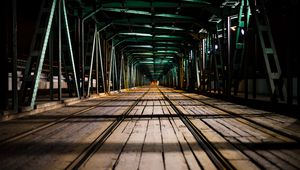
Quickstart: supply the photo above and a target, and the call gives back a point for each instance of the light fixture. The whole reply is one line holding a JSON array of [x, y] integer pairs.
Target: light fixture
[[136, 34], [233, 28], [202, 30], [242, 31], [216, 46]]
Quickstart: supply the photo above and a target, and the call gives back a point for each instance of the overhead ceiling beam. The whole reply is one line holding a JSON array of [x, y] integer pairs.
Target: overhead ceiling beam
[[156, 4], [139, 12], [147, 13], [161, 27]]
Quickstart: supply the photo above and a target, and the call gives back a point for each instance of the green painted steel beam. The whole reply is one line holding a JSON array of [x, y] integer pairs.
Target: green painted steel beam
[[156, 4], [157, 20], [140, 12], [126, 11], [155, 38], [42, 55], [147, 26], [150, 35], [70, 48], [131, 48], [135, 34]]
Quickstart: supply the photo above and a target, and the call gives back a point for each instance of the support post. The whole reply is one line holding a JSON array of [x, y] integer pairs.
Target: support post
[[5, 30], [70, 48], [97, 64], [228, 56], [254, 67], [51, 65], [78, 46], [197, 68], [92, 61], [121, 71], [42, 57], [82, 59], [14, 58], [110, 67], [101, 63], [59, 52], [116, 71]]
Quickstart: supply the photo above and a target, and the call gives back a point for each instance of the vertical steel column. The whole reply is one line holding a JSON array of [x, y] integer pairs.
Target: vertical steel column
[[289, 51], [224, 52], [59, 52], [92, 61], [298, 79], [14, 58], [128, 74], [134, 75], [101, 63], [106, 60], [116, 71], [181, 72], [228, 56], [187, 73], [51, 64], [197, 68], [97, 64], [70, 48], [42, 57], [5, 30], [254, 67], [114, 76], [78, 46], [82, 58], [204, 64], [131, 75], [110, 66], [121, 70]]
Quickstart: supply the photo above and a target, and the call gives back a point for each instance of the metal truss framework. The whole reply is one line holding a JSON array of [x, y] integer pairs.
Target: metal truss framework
[[122, 45]]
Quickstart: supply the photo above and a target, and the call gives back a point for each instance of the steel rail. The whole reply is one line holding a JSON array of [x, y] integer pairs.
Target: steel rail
[[297, 139], [216, 157], [99, 141], [49, 124]]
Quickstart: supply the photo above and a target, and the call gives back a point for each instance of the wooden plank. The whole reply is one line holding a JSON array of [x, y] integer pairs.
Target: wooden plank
[[187, 150], [131, 155], [271, 157], [157, 110], [286, 157], [54, 147], [234, 126], [280, 122], [148, 110], [267, 131], [232, 154], [165, 110], [173, 156], [108, 153], [152, 149], [223, 130], [198, 152], [258, 159]]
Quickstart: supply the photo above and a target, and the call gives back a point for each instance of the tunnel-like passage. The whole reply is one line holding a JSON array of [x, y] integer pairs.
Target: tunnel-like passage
[[158, 84]]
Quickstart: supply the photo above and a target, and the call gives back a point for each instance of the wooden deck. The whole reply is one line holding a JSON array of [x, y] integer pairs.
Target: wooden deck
[[141, 129]]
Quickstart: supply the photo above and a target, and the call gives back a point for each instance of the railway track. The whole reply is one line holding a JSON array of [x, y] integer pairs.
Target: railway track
[[98, 142], [52, 123], [262, 126], [217, 158], [257, 156], [156, 124]]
